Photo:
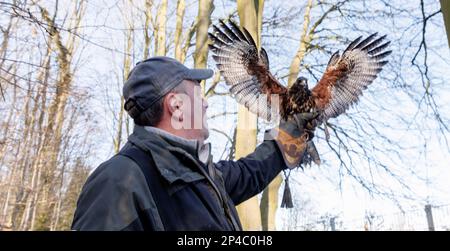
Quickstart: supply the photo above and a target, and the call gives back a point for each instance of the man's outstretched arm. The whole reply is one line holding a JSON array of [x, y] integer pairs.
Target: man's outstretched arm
[[248, 176], [282, 148]]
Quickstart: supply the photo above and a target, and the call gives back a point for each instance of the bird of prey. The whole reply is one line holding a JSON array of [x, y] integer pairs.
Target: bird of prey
[[246, 71]]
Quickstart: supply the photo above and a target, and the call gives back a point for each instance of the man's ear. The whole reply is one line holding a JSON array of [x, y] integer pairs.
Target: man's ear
[[173, 105]]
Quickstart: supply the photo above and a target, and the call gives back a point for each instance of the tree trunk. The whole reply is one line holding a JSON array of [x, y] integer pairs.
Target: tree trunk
[[181, 6], [445, 6], [187, 41], [205, 9], [269, 204], [56, 115], [65, 145], [305, 39], [126, 69], [148, 18], [250, 15], [36, 122], [160, 29]]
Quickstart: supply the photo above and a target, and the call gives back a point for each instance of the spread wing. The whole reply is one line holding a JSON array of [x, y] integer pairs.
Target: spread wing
[[348, 75], [245, 69]]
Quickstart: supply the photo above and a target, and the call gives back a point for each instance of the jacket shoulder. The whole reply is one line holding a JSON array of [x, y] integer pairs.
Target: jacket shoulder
[[112, 196], [117, 168]]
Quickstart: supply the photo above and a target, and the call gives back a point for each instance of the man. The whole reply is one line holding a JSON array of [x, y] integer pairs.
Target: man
[[164, 178]]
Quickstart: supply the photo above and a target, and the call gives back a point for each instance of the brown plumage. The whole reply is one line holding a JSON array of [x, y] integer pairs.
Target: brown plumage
[[247, 73]]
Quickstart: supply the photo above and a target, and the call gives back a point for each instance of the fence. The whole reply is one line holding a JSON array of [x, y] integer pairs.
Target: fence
[[429, 218]]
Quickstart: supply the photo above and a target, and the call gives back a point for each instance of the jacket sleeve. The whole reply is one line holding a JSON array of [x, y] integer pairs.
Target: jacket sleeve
[[113, 198], [248, 176]]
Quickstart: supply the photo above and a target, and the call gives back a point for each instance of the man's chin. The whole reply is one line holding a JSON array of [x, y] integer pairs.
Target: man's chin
[[201, 135]]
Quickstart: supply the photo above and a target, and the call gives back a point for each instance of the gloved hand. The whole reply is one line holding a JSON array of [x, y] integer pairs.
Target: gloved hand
[[292, 136]]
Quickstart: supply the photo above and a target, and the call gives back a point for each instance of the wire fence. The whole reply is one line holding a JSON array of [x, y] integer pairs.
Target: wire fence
[[429, 218]]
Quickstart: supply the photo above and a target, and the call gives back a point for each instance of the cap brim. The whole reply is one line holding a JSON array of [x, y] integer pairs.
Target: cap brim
[[199, 74]]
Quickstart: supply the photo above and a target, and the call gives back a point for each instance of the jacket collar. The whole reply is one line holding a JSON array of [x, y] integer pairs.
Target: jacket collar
[[190, 146], [170, 153]]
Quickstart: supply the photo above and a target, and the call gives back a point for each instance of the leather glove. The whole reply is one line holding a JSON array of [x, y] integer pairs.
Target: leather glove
[[292, 136]]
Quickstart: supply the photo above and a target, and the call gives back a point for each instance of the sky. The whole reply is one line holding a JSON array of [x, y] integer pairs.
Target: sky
[[325, 189]]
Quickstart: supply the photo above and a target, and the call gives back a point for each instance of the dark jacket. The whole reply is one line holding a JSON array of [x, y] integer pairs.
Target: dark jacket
[[183, 193]]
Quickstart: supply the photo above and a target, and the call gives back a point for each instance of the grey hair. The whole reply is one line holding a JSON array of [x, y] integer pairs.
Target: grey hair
[[153, 115]]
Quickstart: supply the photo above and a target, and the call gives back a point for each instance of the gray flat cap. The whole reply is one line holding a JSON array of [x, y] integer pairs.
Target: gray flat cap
[[152, 79]]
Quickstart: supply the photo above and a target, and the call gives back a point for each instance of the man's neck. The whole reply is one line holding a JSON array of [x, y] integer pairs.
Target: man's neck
[[170, 134], [195, 147], [178, 132]]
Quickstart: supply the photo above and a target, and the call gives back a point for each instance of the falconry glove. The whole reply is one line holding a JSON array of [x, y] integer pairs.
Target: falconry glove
[[293, 136]]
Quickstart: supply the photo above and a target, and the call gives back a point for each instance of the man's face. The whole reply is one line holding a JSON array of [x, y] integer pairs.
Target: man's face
[[194, 110]]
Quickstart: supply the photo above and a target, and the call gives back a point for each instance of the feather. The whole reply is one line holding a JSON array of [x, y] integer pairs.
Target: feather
[[244, 68], [346, 77]]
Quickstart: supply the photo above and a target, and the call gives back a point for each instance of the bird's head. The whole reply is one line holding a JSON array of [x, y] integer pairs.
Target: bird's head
[[302, 82]]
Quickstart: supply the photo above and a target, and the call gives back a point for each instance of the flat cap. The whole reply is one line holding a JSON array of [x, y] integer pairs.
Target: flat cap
[[153, 78]]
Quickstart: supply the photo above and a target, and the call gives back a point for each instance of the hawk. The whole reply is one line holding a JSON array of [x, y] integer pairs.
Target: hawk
[[246, 71]]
